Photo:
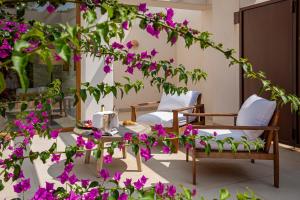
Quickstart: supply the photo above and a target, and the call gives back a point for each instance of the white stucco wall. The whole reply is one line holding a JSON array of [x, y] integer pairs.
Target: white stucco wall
[[92, 71]]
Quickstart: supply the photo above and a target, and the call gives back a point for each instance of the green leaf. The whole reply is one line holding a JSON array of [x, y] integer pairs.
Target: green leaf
[[83, 94], [23, 107], [44, 156], [93, 184], [1, 185], [64, 52], [21, 44], [90, 16], [2, 83], [224, 194], [53, 148], [11, 105], [109, 9], [20, 63]]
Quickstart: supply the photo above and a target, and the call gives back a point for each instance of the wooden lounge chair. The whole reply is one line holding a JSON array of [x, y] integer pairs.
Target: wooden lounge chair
[[169, 112], [268, 132]]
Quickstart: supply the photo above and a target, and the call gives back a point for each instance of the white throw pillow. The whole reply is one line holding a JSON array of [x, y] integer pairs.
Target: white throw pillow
[[256, 111], [171, 102]]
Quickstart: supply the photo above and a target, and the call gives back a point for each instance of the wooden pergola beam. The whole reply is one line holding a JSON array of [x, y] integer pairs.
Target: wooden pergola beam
[[203, 5]]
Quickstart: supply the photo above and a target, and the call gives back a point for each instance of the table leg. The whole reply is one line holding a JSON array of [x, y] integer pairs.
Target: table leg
[[139, 161], [100, 159], [124, 151], [88, 152]]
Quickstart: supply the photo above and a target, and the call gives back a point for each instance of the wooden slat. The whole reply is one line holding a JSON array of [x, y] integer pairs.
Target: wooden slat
[[265, 128], [146, 104], [238, 155], [211, 114]]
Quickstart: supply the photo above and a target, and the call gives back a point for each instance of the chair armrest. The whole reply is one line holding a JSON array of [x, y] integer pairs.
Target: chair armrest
[[187, 108], [145, 104], [134, 107], [211, 114], [263, 128]]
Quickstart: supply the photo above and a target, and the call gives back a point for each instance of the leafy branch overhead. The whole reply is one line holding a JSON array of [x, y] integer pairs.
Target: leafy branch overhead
[[95, 39]]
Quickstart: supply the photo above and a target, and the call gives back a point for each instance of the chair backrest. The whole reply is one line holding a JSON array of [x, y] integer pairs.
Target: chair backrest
[[268, 136], [256, 111], [171, 102]]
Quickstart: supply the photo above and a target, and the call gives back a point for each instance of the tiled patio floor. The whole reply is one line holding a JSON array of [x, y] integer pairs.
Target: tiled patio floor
[[212, 174]]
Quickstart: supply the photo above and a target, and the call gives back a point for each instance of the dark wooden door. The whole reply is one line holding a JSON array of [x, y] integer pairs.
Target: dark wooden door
[[267, 34]]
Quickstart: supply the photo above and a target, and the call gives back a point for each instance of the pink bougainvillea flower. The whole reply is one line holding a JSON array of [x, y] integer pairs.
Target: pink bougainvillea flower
[[171, 191], [127, 182], [54, 133], [123, 196], [76, 58], [143, 137], [18, 152], [3, 54], [144, 55], [104, 173], [139, 65], [138, 185], [143, 7], [89, 145], [39, 106], [117, 45], [105, 196], [146, 153], [107, 69], [57, 57], [73, 179], [170, 13], [125, 25], [159, 188], [215, 133], [143, 179], [128, 136], [107, 159], [129, 45], [83, 7], [166, 149], [185, 22], [85, 182], [22, 186], [153, 66], [117, 176], [195, 132], [55, 158], [194, 192], [153, 52], [63, 177], [129, 70], [174, 40], [202, 143], [69, 167], [49, 186], [97, 134], [80, 141], [152, 31], [51, 8]]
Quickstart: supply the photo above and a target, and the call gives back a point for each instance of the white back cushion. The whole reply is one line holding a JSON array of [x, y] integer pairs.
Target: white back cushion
[[171, 102], [256, 111]]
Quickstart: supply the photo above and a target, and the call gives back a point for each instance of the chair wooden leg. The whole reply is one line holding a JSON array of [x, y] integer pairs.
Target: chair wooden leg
[[194, 166], [139, 161], [175, 142], [88, 153], [187, 154], [99, 164], [124, 151], [276, 160], [252, 161]]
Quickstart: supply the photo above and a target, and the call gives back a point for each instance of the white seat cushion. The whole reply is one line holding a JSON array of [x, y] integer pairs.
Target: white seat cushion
[[163, 118], [255, 111], [222, 134], [170, 102]]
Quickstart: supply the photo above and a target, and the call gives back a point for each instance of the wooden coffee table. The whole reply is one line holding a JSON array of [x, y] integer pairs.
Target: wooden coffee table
[[137, 128]]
